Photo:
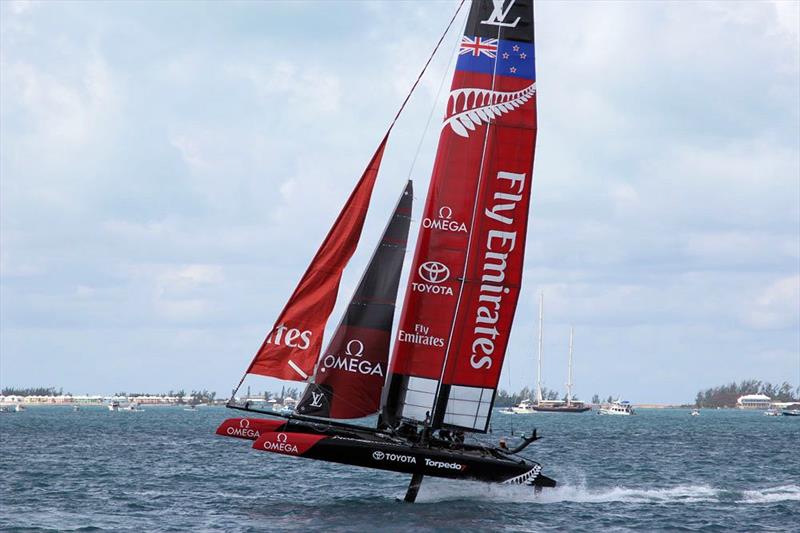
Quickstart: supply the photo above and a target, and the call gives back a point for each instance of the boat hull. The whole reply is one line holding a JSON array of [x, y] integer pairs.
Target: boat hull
[[378, 451], [564, 409]]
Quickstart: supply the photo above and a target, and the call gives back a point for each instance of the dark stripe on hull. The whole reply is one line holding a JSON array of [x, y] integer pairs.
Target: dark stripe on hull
[[561, 409]]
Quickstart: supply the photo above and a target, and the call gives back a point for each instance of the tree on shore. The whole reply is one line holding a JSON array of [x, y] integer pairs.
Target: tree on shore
[[33, 391], [726, 395]]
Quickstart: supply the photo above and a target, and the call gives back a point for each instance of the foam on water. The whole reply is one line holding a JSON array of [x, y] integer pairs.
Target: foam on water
[[772, 495], [437, 491]]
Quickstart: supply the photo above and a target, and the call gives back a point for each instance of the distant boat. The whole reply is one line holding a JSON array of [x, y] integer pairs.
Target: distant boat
[[772, 412], [695, 412], [525, 407], [568, 405], [19, 408], [113, 406], [190, 408], [133, 407], [790, 412], [76, 408], [618, 408]]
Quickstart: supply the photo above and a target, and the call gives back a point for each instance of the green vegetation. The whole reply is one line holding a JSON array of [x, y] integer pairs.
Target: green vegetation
[[726, 395], [503, 399], [32, 391]]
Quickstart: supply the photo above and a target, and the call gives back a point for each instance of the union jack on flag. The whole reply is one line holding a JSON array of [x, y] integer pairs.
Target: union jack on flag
[[477, 46]]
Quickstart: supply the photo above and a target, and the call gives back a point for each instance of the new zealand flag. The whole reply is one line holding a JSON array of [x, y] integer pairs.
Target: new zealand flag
[[514, 58]]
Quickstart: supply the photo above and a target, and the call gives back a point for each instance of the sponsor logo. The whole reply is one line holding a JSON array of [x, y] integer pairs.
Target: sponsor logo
[[281, 445], [394, 457], [290, 337], [499, 244], [353, 361], [316, 399], [444, 222], [243, 430], [444, 465], [433, 273], [354, 348], [470, 107], [498, 15], [420, 335]]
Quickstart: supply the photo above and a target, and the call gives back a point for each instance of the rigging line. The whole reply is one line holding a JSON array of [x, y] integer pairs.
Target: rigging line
[[394, 120], [453, 55], [428, 62]]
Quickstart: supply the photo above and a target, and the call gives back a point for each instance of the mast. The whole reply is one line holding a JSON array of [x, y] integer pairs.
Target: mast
[[569, 369], [539, 364]]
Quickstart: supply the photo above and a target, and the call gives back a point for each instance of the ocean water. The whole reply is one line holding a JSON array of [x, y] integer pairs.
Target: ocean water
[[164, 470]]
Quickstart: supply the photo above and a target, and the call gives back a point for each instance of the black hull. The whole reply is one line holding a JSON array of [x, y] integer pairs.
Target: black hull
[[428, 461], [561, 409], [382, 451]]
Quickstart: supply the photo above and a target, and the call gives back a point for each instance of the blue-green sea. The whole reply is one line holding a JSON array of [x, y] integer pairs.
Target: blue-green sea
[[163, 469]]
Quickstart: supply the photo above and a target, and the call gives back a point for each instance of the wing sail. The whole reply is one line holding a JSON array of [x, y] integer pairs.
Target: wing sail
[[467, 268]]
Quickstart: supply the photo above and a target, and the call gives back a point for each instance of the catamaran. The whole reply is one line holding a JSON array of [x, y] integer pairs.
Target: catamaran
[[441, 380]]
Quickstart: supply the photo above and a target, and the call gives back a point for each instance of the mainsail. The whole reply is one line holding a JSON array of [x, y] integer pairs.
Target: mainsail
[[467, 268], [352, 370], [292, 347]]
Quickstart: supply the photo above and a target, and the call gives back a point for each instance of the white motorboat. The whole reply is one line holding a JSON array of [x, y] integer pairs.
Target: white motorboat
[[113, 406], [133, 406], [695, 412], [622, 408], [772, 412], [525, 407]]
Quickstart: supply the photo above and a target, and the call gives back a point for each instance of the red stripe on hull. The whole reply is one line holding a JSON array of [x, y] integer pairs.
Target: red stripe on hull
[[248, 428], [286, 443]]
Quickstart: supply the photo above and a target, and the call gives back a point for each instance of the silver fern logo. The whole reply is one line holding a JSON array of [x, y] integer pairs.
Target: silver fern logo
[[468, 108]]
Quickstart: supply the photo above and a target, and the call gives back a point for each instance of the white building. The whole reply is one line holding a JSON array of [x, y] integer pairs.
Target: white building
[[753, 401]]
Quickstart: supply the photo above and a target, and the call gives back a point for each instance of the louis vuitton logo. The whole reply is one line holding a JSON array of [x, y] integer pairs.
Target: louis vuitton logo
[[498, 15]]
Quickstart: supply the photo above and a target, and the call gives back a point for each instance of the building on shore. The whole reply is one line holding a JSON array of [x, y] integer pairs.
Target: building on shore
[[69, 399], [753, 401]]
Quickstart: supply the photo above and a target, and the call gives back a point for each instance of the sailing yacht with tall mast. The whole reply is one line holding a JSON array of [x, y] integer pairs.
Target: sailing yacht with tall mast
[[441, 381], [568, 404]]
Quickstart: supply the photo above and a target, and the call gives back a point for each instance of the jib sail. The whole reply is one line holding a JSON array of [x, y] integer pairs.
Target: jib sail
[[467, 267], [293, 345], [352, 370]]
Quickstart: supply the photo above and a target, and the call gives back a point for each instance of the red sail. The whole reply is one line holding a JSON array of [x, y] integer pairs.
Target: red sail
[[467, 267], [293, 345]]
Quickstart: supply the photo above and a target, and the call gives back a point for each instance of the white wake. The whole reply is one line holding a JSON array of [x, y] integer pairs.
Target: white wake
[[436, 491], [783, 493]]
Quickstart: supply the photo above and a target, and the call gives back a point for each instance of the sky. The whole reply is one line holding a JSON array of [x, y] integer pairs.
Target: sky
[[168, 169]]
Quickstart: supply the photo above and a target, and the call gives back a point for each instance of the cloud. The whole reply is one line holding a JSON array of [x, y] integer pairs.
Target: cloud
[[166, 174], [777, 305]]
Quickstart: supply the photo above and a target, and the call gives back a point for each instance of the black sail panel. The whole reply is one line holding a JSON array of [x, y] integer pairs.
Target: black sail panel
[[352, 370]]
